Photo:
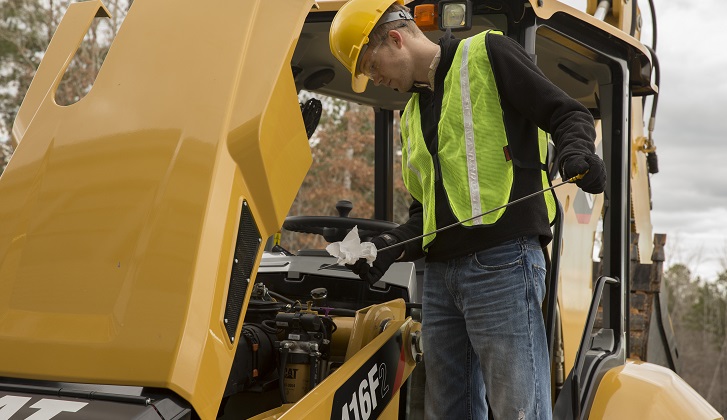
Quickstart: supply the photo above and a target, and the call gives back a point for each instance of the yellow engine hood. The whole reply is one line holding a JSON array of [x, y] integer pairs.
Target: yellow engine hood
[[119, 214]]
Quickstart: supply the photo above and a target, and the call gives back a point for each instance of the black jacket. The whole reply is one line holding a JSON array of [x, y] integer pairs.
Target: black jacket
[[528, 100]]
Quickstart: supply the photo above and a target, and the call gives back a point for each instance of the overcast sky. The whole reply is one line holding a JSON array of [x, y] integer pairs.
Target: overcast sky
[[690, 191]]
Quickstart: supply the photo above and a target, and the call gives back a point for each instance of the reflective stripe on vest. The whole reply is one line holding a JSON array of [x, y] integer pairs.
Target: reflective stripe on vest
[[550, 197], [476, 173]]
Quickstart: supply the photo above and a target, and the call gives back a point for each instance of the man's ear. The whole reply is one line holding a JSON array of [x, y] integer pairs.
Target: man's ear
[[397, 37]]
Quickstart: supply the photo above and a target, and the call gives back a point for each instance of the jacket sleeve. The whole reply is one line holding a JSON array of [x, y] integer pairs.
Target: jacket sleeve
[[411, 229], [524, 86]]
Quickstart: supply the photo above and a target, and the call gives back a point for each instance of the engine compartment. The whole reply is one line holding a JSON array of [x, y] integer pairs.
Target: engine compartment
[[299, 323]]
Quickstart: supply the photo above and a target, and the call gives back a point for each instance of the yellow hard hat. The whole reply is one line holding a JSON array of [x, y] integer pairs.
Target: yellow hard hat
[[350, 31]]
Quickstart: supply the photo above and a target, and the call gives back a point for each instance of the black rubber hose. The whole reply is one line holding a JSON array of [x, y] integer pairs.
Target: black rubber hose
[[653, 24], [652, 50], [269, 326], [634, 13], [281, 297], [657, 76], [652, 160], [335, 311], [331, 311], [264, 304], [265, 310]]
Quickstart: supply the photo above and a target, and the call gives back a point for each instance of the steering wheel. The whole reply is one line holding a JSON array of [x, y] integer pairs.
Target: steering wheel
[[335, 228]]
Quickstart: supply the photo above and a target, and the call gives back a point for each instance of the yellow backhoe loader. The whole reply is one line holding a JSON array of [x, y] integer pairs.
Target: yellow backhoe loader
[[137, 280]]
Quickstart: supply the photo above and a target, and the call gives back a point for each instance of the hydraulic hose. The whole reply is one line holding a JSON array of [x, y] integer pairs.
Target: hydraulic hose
[[657, 77], [335, 311], [651, 157], [653, 24], [281, 297]]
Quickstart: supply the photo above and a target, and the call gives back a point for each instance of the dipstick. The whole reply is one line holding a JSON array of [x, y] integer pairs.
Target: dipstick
[[567, 181]]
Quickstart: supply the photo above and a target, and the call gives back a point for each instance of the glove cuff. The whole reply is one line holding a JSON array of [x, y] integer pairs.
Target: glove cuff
[[384, 240]]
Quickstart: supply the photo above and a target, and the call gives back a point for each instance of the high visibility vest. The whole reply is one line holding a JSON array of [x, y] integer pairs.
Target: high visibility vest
[[473, 152]]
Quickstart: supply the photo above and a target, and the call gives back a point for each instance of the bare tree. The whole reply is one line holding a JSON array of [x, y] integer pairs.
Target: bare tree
[[698, 309], [25, 32]]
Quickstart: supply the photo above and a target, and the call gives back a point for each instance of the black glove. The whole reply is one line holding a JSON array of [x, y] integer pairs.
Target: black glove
[[594, 181], [383, 261]]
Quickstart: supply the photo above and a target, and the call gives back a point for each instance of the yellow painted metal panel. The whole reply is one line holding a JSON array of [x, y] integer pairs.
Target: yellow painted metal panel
[[640, 186], [119, 212], [642, 391], [550, 7], [637, 51]]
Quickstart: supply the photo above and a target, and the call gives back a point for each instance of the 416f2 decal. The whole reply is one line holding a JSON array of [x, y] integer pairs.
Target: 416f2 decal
[[367, 392]]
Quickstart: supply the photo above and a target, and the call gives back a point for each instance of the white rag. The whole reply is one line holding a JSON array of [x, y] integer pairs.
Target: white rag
[[350, 249]]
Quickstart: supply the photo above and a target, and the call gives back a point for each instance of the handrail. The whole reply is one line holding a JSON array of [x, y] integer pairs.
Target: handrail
[[554, 269], [583, 348]]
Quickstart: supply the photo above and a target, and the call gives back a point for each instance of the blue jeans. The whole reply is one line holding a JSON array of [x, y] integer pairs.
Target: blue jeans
[[484, 334]]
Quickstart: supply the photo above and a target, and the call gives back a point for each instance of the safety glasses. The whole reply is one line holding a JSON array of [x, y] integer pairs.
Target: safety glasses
[[371, 68]]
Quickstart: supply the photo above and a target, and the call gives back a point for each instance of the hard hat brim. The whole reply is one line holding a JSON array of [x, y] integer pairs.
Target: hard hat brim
[[359, 82]]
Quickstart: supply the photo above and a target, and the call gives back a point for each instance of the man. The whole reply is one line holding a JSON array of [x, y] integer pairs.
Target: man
[[472, 140]]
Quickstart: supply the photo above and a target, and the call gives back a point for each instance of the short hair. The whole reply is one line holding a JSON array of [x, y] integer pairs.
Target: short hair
[[379, 33]]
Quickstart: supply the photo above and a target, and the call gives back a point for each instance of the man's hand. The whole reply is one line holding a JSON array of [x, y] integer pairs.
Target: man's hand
[[594, 180], [383, 260]]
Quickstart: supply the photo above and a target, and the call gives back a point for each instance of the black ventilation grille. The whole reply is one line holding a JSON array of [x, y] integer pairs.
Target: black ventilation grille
[[246, 249]]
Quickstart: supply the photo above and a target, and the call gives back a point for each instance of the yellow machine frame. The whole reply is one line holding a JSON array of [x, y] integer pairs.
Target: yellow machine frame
[[119, 213]]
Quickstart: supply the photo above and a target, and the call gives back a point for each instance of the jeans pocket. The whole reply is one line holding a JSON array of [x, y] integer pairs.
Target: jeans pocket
[[539, 282], [503, 256]]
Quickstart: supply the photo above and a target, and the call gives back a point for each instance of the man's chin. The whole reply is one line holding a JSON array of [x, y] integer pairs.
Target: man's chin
[[407, 90]]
